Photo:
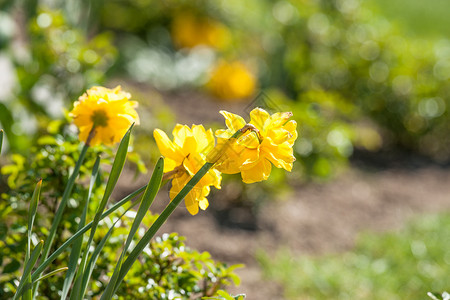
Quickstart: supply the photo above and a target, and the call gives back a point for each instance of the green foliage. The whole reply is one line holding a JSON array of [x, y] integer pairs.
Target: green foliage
[[170, 270], [51, 159], [174, 268], [55, 64], [416, 17], [223, 295], [401, 265], [398, 82]]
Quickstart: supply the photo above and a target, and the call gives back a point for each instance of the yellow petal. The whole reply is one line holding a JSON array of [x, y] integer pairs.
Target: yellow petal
[[203, 204], [249, 140], [169, 165], [227, 158], [223, 133], [258, 117], [193, 163], [279, 119], [291, 127], [180, 132], [260, 171], [282, 156], [248, 157], [233, 122], [205, 139], [166, 147], [213, 177]]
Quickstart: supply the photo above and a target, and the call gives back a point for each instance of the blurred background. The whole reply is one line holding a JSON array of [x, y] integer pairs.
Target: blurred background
[[364, 213]]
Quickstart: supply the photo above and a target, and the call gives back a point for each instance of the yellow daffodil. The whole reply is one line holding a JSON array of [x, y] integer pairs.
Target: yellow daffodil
[[232, 81], [270, 141], [189, 30], [184, 156], [108, 111]]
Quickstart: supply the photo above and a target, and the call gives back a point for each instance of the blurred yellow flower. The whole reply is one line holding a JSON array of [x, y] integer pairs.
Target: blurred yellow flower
[[231, 81], [184, 156], [189, 31], [251, 154], [108, 111]]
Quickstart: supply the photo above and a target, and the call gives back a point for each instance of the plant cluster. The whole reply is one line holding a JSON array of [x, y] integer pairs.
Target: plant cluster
[[193, 162]]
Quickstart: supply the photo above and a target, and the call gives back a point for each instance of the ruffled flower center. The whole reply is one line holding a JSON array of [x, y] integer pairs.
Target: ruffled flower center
[[100, 118]]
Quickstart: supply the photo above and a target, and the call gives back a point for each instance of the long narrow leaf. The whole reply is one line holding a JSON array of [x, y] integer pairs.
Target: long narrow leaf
[[79, 233], [1, 140], [109, 291], [32, 212], [31, 216], [76, 249], [159, 222], [27, 270], [45, 276], [147, 199], [59, 212], [115, 172], [81, 283], [116, 169]]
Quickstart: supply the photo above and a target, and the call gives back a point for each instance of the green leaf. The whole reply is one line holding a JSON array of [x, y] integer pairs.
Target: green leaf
[[79, 233], [117, 167], [45, 276], [109, 291], [47, 140], [76, 249], [133, 256], [119, 162], [1, 140], [11, 267], [32, 212], [31, 216], [80, 287], [147, 199], [59, 213], [434, 296], [27, 270]]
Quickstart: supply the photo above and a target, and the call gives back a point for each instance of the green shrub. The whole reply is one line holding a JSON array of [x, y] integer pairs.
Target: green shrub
[[167, 267]]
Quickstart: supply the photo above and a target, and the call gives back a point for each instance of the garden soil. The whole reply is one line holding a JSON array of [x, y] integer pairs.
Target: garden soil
[[376, 193]]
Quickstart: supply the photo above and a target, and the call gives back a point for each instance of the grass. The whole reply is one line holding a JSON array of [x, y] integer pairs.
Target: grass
[[401, 265], [423, 18]]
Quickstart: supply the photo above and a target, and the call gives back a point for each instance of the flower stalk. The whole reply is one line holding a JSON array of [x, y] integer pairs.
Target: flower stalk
[[133, 256]]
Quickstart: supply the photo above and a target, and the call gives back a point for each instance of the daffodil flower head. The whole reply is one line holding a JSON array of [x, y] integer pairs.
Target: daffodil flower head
[[232, 81], [190, 30], [269, 141], [184, 156], [104, 115]]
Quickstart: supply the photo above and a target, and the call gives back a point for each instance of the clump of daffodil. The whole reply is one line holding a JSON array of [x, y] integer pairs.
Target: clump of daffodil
[[189, 30], [104, 115], [266, 140], [184, 156], [231, 81]]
